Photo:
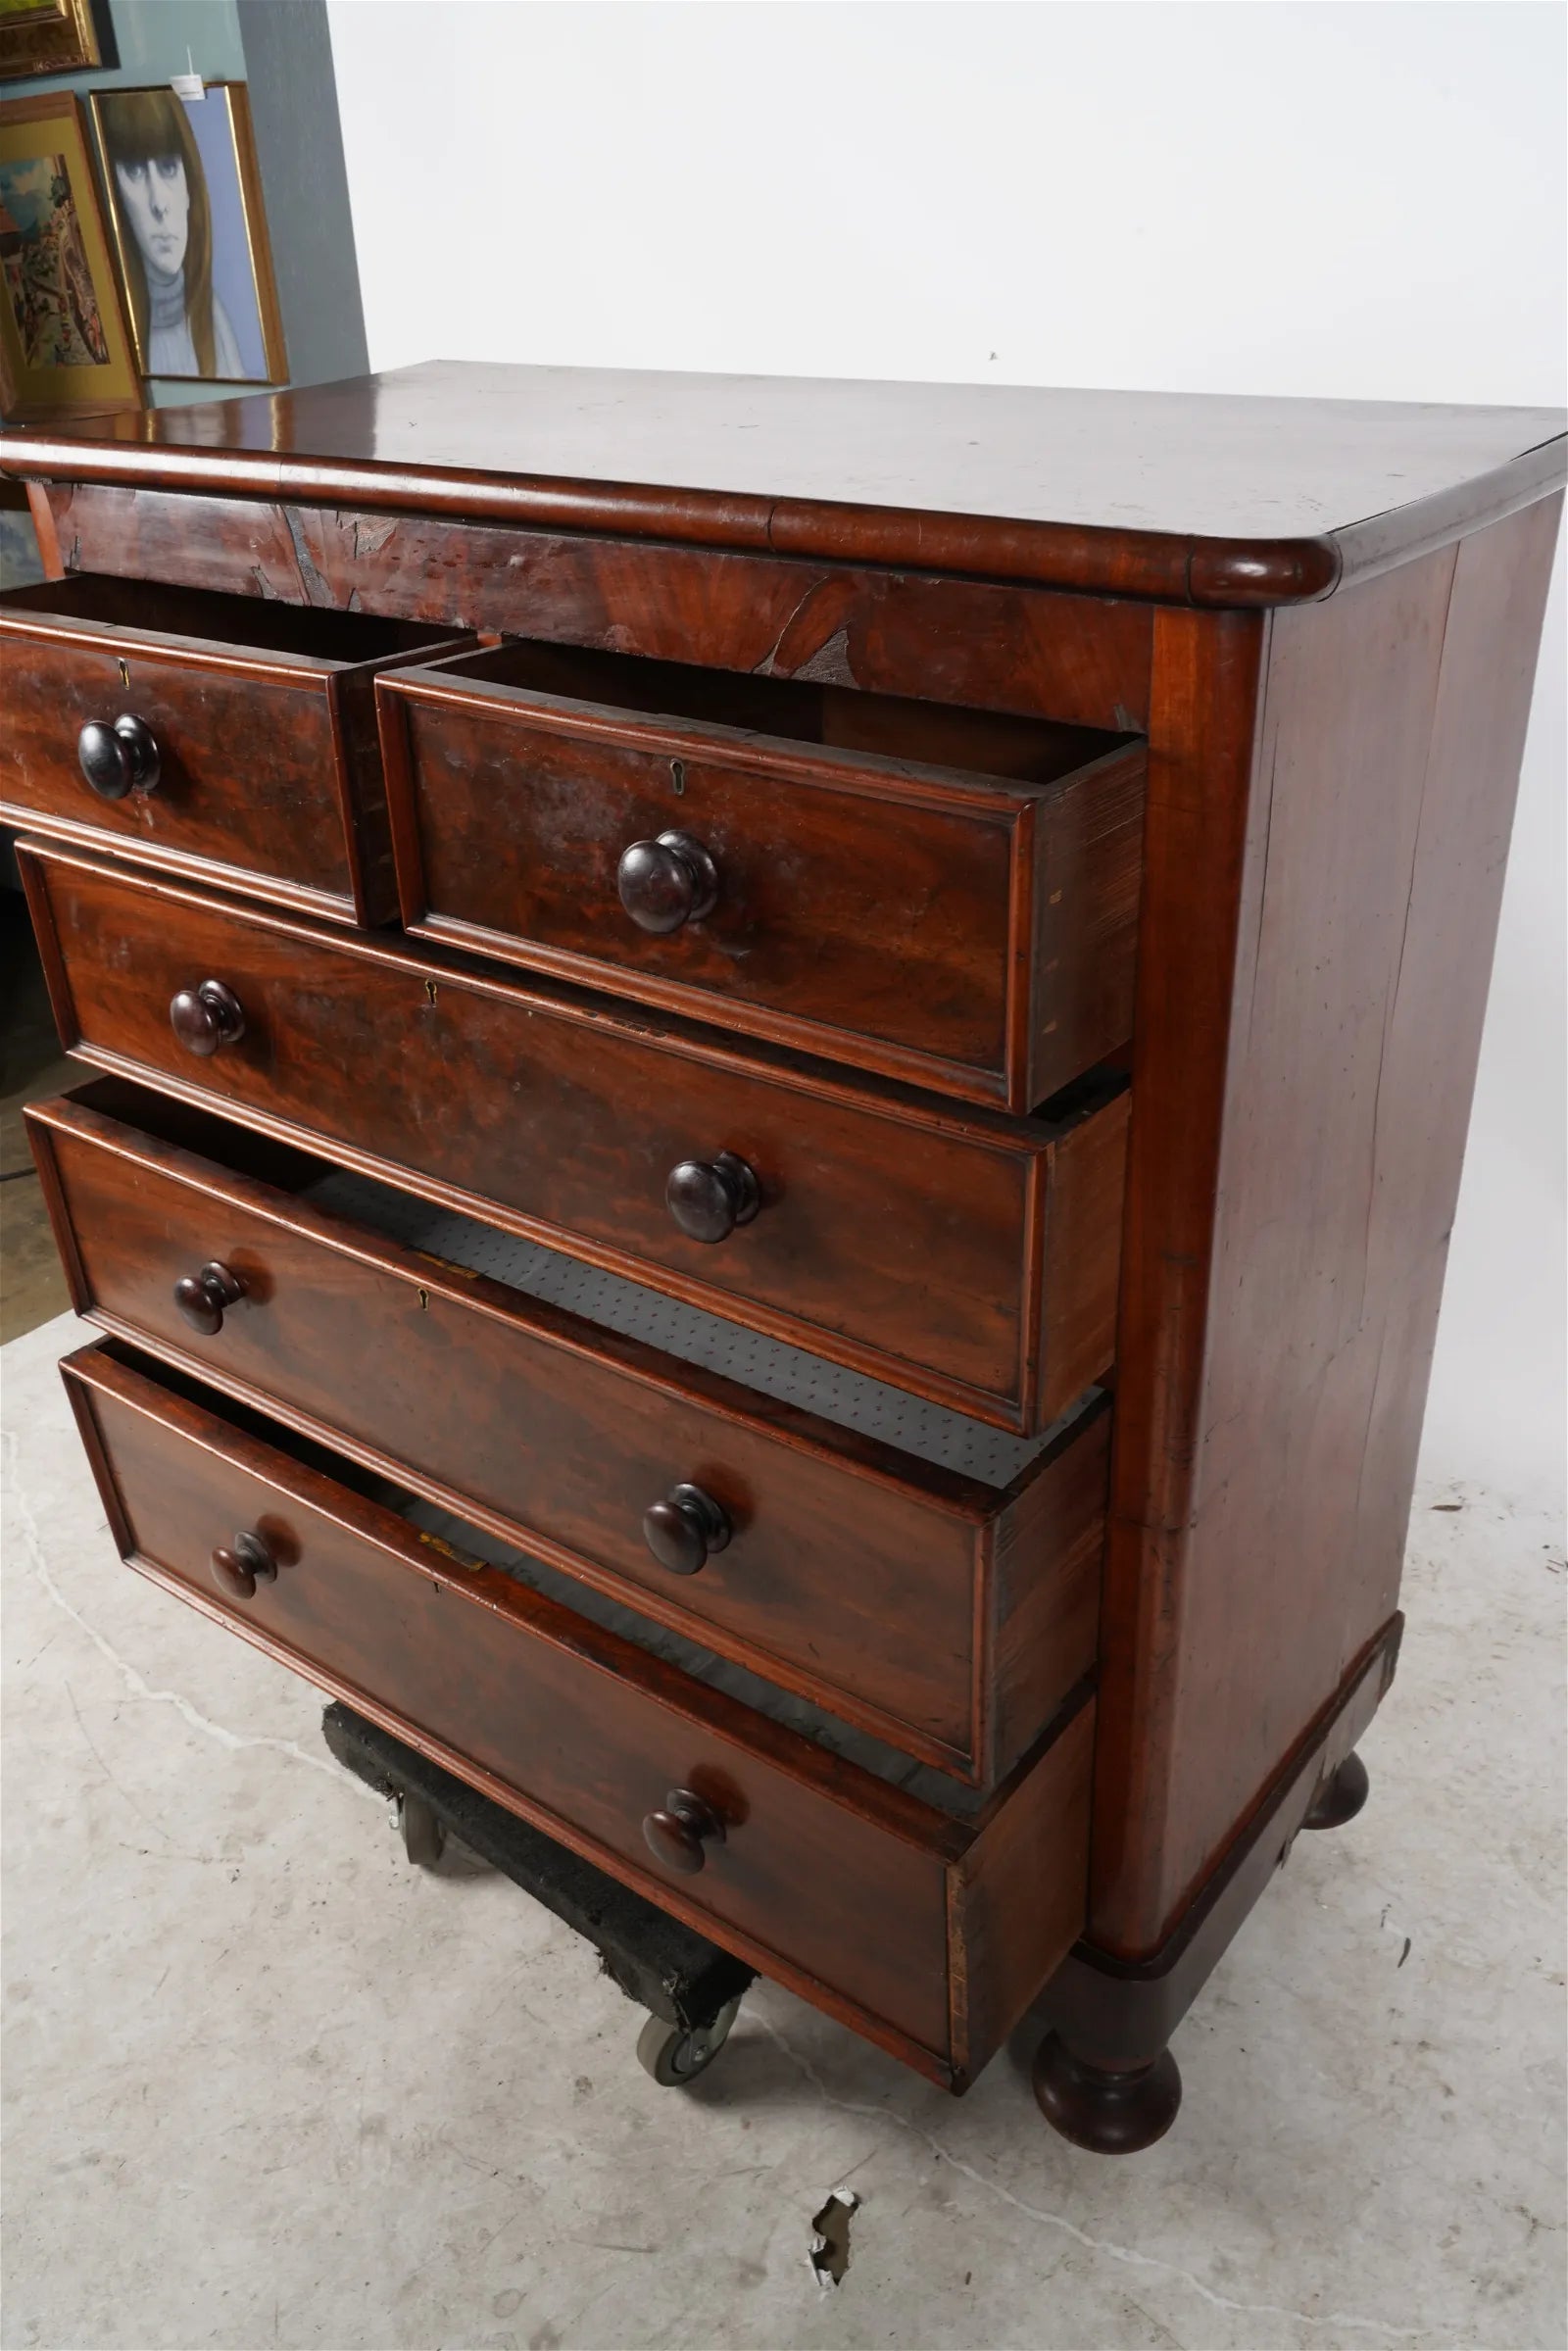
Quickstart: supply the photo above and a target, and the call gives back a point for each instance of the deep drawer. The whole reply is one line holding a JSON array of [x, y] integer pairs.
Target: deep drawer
[[948, 1602], [965, 1257], [946, 896], [867, 1899], [246, 749]]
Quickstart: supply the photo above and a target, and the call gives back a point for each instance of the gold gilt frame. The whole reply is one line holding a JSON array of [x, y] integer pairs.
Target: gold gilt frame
[[56, 124], [47, 36], [235, 99]]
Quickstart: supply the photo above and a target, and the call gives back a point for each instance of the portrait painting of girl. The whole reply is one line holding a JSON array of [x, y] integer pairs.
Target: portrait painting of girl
[[186, 201]]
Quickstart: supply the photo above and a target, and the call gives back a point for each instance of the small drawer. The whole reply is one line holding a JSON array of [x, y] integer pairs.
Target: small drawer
[[946, 896], [874, 1900], [960, 1254], [929, 1579], [227, 736]]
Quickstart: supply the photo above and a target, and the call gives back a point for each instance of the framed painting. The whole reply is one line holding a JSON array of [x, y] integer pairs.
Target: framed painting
[[65, 347], [46, 36], [190, 231]]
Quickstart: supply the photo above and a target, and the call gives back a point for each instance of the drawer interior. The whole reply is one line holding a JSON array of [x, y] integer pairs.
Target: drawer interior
[[249, 623], [1034, 750]]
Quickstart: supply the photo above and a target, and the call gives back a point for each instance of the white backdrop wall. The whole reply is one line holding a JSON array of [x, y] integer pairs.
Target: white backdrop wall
[[1359, 200]]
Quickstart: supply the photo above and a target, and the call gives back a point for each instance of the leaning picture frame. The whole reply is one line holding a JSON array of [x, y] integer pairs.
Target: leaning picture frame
[[189, 226], [47, 36], [64, 342]]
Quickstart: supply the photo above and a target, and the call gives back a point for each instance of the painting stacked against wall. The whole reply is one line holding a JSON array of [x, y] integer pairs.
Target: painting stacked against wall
[[171, 278], [186, 203], [65, 343], [47, 36]]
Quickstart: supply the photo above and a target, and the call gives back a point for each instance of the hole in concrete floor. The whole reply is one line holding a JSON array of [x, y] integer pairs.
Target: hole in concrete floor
[[830, 2237]]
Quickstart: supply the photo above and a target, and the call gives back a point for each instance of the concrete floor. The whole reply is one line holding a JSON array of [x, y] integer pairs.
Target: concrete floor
[[267, 2087]]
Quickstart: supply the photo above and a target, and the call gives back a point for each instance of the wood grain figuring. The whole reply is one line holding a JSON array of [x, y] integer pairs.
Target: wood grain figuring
[[1289, 1211], [268, 769], [885, 891], [1081, 661], [892, 1235], [855, 1574], [834, 1883], [1167, 494]]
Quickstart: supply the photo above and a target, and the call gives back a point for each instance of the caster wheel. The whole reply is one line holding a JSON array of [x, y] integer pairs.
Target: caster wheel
[[674, 2058], [422, 1831]]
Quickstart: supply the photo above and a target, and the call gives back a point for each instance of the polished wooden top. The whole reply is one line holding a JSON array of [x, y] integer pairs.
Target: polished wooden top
[[1180, 495]]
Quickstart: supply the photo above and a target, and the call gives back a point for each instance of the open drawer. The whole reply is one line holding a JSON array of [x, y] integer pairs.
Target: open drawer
[[227, 736], [913, 1572], [876, 1903], [947, 896], [953, 1252]]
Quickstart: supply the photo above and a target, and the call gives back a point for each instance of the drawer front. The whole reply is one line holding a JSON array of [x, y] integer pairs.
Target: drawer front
[[952, 930], [890, 1591], [824, 1872], [966, 1259], [267, 770]]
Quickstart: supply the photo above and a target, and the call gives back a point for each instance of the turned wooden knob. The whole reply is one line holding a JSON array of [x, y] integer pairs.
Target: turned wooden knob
[[682, 1528], [239, 1571], [203, 1018], [676, 1835], [202, 1296], [710, 1198], [118, 758], [669, 881]]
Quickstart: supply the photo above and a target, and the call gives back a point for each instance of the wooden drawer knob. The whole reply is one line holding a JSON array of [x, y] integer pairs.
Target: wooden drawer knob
[[237, 1572], [682, 1528], [203, 1018], [677, 1835], [202, 1296], [669, 881], [710, 1198], [118, 758]]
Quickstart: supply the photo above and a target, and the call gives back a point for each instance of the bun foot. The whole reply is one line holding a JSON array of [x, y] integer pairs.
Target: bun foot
[[1341, 1796], [1108, 2113]]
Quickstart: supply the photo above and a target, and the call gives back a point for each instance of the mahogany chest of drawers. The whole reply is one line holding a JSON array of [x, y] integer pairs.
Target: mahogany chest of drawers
[[780, 1077]]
